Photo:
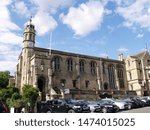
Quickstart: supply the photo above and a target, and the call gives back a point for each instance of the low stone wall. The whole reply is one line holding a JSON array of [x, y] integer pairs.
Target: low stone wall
[[93, 95]]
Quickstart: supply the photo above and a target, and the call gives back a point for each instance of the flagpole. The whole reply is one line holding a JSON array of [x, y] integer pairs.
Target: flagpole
[[51, 66], [50, 42]]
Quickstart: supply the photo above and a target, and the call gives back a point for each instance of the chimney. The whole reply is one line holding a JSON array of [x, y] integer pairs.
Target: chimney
[[120, 56]]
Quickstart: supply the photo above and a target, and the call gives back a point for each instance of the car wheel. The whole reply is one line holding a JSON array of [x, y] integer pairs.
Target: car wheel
[[71, 111], [129, 107], [104, 110], [48, 111]]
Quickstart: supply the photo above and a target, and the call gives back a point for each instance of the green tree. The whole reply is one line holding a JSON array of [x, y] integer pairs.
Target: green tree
[[15, 101], [30, 95], [4, 78], [12, 97], [6, 93]]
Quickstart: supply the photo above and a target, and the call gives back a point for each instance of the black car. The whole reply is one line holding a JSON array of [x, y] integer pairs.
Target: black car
[[63, 106], [107, 107], [138, 102], [132, 102], [146, 100], [94, 107]]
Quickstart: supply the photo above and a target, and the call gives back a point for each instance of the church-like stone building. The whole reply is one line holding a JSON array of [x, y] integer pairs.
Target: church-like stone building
[[138, 73], [67, 75]]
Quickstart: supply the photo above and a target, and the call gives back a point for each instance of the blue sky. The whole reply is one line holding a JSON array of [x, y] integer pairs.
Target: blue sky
[[92, 27]]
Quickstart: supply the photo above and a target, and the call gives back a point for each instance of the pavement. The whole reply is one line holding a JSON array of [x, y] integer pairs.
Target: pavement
[[137, 110]]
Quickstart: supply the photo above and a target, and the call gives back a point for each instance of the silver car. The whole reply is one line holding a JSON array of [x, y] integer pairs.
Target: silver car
[[121, 104]]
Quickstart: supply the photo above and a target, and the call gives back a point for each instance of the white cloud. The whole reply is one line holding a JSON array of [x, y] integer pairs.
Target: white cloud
[[9, 55], [42, 11], [5, 2], [44, 22], [21, 8], [123, 2], [51, 5], [3, 47], [123, 49], [140, 35], [5, 21], [104, 55], [8, 38], [86, 18], [136, 13], [8, 65], [107, 11], [148, 10]]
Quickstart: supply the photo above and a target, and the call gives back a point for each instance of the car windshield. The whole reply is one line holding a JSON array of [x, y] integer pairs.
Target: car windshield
[[71, 101], [105, 101], [91, 102]]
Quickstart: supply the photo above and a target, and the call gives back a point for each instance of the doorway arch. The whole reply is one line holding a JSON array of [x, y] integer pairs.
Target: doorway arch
[[105, 86], [41, 87]]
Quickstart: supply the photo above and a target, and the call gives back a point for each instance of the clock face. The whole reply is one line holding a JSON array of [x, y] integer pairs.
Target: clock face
[[30, 44]]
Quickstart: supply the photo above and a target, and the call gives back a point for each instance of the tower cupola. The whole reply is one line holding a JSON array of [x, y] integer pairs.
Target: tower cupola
[[29, 35]]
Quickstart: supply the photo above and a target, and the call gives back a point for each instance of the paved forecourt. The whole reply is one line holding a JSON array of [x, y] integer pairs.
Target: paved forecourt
[[137, 110]]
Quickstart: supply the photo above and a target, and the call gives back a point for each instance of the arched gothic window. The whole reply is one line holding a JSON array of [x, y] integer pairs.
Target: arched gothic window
[[82, 66], [111, 75], [120, 74], [57, 63], [70, 65], [93, 67]]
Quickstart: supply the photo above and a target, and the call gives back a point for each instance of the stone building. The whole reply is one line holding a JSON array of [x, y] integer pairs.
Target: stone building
[[138, 73], [67, 75]]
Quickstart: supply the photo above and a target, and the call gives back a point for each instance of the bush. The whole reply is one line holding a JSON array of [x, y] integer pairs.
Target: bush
[[30, 95]]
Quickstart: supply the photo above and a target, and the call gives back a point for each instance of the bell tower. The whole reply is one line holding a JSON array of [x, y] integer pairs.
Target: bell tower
[[29, 35], [27, 52]]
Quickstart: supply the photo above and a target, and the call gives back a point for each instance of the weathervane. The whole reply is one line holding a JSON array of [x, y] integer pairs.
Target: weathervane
[[30, 18]]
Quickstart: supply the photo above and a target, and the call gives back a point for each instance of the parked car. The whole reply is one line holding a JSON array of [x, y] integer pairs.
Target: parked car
[[3, 107], [146, 100], [121, 104], [107, 107], [94, 107], [129, 100], [138, 101], [63, 106]]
